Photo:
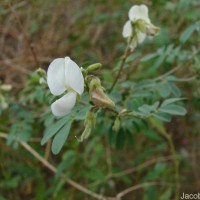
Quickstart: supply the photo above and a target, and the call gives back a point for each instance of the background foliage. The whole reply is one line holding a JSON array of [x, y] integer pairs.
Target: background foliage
[[121, 152]]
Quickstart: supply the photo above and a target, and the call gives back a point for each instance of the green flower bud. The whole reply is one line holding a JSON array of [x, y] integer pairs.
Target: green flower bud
[[41, 72], [93, 67]]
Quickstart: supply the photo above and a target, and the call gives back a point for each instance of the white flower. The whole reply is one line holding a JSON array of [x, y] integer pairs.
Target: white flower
[[63, 75], [135, 14]]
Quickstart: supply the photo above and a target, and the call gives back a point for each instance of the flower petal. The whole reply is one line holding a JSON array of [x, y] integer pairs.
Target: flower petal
[[141, 37], [55, 76], [133, 44], [127, 29], [73, 76], [139, 12], [64, 105]]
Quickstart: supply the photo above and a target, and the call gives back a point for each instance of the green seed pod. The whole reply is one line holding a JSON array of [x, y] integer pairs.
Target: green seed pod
[[89, 124]]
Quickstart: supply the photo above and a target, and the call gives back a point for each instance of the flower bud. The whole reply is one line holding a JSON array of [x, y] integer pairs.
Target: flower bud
[[93, 67], [41, 72], [97, 95]]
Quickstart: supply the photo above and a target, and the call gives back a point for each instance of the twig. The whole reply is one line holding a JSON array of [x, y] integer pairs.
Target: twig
[[123, 61], [47, 150], [139, 186], [54, 170], [169, 72], [143, 165], [135, 168], [176, 68], [112, 110], [16, 6]]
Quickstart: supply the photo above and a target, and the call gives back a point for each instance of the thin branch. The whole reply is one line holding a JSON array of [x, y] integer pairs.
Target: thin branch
[[177, 67], [47, 150], [15, 6], [111, 110], [54, 170], [169, 72], [143, 165], [135, 168], [139, 186], [123, 61]]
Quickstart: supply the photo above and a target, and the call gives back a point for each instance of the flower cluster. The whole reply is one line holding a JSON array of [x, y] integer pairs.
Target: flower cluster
[[138, 26], [65, 75]]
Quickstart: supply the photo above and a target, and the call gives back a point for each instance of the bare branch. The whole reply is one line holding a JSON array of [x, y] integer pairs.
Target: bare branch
[[54, 170]]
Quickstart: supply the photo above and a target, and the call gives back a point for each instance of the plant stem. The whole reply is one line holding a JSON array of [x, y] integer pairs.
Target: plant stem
[[123, 61]]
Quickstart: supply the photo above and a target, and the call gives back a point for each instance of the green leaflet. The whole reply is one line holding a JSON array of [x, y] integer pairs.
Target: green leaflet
[[170, 101], [53, 129], [188, 32], [60, 138], [173, 109]]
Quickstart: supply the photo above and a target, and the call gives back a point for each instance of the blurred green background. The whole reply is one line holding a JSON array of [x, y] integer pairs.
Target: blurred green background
[[32, 34]]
